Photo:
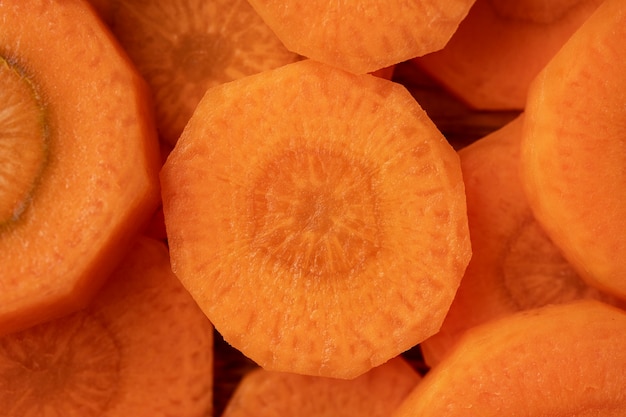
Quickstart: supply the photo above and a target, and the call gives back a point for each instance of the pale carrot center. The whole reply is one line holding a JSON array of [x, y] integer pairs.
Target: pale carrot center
[[23, 141], [536, 11], [536, 274], [315, 212], [67, 367]]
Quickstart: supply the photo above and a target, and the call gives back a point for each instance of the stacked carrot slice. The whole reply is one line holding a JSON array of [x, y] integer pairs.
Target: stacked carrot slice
[[175, 170]]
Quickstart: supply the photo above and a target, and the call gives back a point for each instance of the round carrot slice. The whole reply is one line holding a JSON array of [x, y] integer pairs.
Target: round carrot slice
[[103, 8], [363, 36], [23, 144], [317, 217], [573, 155], [142, 347], [78, 156]]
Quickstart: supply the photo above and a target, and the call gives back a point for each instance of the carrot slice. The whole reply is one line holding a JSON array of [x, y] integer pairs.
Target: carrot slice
[[514, 266], [79, 158], [559, 361], [501, 46], [141, 348], [183, 47], [377, 393], [363, 36], [317, 217], [573, 149]]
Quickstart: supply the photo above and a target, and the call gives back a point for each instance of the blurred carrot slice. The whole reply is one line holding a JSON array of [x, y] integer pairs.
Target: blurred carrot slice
[[103, 8], [141, 348], [183, 47], [317, 217]]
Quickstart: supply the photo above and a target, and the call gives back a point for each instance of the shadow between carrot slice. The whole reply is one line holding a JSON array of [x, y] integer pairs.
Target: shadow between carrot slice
[[363, 36]]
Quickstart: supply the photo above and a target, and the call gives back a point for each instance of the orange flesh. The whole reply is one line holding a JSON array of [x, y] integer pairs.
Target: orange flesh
[[307, 220], [99, 185]]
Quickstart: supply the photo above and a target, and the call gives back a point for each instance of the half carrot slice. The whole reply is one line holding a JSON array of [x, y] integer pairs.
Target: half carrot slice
[[317, 217], [79, 158]]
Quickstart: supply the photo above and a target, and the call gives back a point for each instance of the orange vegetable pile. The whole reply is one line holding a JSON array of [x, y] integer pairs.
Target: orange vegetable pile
[[284, 176]]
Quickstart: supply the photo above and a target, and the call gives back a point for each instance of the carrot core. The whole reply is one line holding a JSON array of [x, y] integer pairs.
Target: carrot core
[[536, 274], [44, 363], [23, 140], [316, 211]]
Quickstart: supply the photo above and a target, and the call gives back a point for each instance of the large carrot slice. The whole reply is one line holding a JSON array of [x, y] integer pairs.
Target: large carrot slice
[[377, 393], [183, 47], [317, 217], [363, 36], [558, 361], [514, 266], [573, 155], [79, 158], [141, 348], [501, 46]]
